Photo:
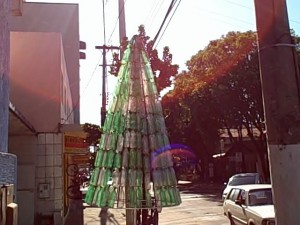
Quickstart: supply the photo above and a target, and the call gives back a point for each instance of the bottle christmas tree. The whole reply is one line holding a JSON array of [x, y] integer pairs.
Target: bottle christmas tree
[[134, 148]]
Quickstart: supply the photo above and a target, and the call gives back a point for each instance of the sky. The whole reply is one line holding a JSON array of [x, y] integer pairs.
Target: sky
[[192, 26]]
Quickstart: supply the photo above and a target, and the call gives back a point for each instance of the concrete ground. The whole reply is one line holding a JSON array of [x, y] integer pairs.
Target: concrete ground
[[201, 204]]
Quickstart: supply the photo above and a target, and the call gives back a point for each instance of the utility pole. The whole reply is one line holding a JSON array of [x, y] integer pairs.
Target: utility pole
[[280, 84], [104, 48], [122, 25], [130, 214], [4, 73]]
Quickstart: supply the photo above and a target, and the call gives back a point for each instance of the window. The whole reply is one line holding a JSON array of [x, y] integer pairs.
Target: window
[[242, 196], [242, 180], [260, 197], [234, 193], [230, 194]]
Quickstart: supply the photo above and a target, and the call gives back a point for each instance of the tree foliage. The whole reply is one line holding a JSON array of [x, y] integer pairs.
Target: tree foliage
[[163, 69], [93, 133], [221, 91]]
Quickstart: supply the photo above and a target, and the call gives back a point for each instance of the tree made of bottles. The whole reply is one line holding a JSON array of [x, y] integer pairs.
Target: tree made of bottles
[[134, 149]]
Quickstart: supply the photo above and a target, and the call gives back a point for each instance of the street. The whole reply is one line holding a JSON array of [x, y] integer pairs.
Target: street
[[201, 205]]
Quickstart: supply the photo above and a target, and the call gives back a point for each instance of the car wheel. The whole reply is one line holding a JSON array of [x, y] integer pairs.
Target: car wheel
[[230, 219]]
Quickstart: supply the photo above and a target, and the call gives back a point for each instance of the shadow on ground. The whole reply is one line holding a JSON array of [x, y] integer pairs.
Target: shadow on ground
[[209, 191]]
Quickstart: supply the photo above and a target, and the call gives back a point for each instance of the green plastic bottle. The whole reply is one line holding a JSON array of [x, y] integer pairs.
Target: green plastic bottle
[[99, 196], [163, 197], [139, 159], [102, 142], [103, 197], [109, 159], [99, 158], [116, 178], [139, 178], [167, 196], [111, 197], [117, 160], [172, 196], [107, 177], [90, 194], [95, 175], [139, 197], [125, 157], [121, 198], [132, 177], [132, 158]]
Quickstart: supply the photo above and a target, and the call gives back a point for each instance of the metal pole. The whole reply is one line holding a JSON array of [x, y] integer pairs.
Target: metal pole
[[280, 84]]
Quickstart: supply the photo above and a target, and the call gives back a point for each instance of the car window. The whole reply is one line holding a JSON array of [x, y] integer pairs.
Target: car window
[[242, 180], [260, 197], [242, 196], [233, 194], [230, 194]]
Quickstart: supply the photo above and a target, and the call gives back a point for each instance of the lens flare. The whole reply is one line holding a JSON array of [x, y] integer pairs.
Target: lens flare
[[179, 153]]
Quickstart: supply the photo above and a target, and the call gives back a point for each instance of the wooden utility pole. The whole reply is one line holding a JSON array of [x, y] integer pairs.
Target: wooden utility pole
[[122, 25], [104, 48], [4, 73], [280, 84], [130, 214]]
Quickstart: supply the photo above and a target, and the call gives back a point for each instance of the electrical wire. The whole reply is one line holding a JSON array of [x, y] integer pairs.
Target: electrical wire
[[167, 24], [240, 5], [116, 23], [164, 20], [157, 34], [294, 21], [253, 10], [93, 73], [83, 92], [153, 14]]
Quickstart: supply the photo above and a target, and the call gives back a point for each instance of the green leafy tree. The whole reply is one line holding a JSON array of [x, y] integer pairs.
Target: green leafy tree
[[223, 92], [93, 135]]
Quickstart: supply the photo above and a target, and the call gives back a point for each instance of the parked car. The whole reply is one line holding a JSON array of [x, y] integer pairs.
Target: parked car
[[241, 179], [250, 204]]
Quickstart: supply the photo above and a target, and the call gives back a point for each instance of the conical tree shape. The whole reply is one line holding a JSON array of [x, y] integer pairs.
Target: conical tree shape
[[134, 146]]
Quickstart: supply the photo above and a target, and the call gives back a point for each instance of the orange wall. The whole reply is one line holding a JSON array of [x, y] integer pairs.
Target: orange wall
[[62, 18], [35, 77]]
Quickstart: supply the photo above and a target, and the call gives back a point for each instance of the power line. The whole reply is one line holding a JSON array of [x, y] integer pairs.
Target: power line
[[252, 9], [240, 5], [117, 21], [294, 21], [164, 20], [153, 14], [168, 23]]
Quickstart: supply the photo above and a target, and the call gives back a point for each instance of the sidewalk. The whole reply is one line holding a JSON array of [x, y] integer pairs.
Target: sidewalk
[[117, 216]]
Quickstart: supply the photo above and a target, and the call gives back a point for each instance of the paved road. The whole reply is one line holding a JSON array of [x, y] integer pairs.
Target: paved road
[[201, 205]]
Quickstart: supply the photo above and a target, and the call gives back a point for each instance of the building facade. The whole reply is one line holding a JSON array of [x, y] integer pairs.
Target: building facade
[[44, 96]]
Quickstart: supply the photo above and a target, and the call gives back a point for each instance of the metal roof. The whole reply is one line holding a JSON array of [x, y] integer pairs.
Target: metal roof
[[18, 124]]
